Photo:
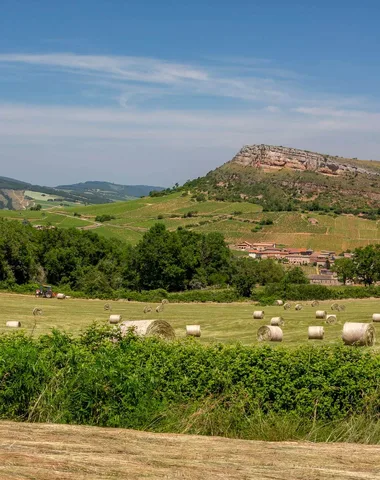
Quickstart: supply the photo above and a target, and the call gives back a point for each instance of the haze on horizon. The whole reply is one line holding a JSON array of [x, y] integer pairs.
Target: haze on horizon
[[157, 93]]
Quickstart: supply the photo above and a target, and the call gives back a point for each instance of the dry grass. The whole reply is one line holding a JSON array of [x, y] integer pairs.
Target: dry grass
[[45, 452], [222, 322]]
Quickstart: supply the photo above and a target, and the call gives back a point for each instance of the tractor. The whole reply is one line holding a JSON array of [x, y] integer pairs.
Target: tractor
[[45, 291]]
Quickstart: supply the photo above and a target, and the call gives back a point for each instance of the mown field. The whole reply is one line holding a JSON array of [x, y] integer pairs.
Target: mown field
[[226, 323], [234, 220], [74, 452]]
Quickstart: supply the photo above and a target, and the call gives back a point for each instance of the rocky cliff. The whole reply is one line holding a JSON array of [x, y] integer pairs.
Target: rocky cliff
[[271, 158]]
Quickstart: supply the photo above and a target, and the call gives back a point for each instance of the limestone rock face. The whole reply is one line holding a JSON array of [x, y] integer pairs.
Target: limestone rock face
[[272, 158]]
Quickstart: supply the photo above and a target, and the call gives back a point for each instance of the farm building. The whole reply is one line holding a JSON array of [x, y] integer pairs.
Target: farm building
[[324, 280]]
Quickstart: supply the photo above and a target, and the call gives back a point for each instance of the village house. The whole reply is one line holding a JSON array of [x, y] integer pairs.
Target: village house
[[324, 279]]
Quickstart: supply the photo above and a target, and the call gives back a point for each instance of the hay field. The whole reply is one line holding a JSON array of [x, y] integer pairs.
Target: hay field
[[68, 452], [227, 323]]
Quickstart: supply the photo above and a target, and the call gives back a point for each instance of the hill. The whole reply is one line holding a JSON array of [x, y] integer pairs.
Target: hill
[[110, 191], [236, 221], [280, 178], [19, 195]]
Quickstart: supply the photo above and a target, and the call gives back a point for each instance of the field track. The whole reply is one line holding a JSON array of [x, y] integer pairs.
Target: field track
[[45, 452]]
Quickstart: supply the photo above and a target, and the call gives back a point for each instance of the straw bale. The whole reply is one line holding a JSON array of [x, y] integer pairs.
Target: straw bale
[[316, 333], [114, 319], [277, 321], [193, 330], [320, 314], [360, 334], [331, 319], [13, 324], [258, 314], [376, 317], [148, 328], [269, 333]]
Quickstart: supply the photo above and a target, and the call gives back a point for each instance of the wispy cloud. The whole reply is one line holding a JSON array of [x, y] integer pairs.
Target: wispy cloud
[[155, 117]]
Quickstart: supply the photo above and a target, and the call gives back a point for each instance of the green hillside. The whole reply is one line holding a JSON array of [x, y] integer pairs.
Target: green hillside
[[237, 222]]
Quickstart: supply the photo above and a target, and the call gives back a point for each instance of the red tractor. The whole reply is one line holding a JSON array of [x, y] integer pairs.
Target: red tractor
[[45, 291]]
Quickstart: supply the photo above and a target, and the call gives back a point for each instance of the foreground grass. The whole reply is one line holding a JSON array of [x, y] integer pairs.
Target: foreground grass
[[227, 323], [88, 453]]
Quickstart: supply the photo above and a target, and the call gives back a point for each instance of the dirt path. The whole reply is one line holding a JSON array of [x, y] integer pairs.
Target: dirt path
[[45, 452]]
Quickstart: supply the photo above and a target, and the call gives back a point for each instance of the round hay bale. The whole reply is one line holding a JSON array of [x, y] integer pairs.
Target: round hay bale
[[269, 333], [13, 324], [331, 319], [61, 296], [277, 321], [114, 319], [107, 307], [193, 330], [37, 311], [159, 308], [316, 333], [360, 334], [279, 303], [148, 328], [287, 306], [320, 314], [147, 309], [341, 308], [258, 314], [314, 303], [376, 317], [164, 301], [335, 306], [298, 307]]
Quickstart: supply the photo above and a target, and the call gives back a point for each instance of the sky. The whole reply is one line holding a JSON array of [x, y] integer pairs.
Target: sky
[[159, 92]]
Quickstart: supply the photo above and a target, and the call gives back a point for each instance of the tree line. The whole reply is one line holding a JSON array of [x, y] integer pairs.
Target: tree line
[[171, 260]]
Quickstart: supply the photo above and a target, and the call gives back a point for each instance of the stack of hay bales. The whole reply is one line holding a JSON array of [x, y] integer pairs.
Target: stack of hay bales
[[148, 328], [358, 334], [269, 333]]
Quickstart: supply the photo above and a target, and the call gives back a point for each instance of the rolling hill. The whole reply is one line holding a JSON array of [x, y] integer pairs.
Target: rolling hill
[[287, 196], [110, 191], [19, 195]]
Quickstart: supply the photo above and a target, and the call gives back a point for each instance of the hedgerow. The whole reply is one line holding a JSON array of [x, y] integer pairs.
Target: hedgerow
[[135, 382]]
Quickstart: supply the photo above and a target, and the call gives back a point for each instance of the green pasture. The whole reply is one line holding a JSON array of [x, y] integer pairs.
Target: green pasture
[[227, 323], [135, 217]]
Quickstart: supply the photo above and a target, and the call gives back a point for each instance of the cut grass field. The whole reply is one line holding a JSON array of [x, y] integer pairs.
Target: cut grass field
[[220, 322], [45, 451], [234, 220]]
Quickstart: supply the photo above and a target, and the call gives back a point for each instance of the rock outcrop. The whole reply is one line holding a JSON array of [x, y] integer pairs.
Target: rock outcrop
[[273, 158]]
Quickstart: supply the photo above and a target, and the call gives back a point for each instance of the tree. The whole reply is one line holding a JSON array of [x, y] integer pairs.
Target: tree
[[246, 276], [345, 269], [295, 276], [367, 264]]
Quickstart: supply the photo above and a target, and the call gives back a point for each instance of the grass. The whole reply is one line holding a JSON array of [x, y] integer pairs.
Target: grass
[[227, 323]]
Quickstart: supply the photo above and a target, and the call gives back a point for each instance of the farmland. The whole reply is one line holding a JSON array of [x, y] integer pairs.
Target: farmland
[[226, 323], [236, 221], [73, 452]]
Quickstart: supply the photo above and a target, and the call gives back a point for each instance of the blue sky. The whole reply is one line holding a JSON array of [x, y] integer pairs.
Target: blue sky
[[159, 92]]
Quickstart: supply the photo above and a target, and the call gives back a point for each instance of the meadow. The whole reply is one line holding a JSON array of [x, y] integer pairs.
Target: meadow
[[220, 322], [236, 221]]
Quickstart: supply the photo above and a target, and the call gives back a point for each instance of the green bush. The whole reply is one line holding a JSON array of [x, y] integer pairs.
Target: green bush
[[136, 382]]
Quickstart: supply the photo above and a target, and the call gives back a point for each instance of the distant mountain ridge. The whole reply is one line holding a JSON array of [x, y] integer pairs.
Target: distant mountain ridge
[[110, 190], [13, 197]]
